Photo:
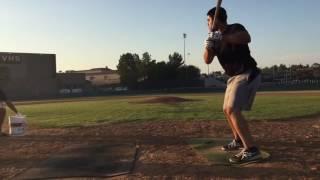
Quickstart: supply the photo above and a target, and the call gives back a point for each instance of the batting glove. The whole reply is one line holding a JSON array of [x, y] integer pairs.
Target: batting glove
[[214, 40]]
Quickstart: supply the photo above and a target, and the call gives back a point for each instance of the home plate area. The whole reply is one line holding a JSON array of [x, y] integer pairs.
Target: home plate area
[[210, 148]]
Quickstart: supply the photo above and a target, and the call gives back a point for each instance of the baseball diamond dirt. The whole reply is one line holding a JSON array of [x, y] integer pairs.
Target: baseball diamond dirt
[[163, 151]]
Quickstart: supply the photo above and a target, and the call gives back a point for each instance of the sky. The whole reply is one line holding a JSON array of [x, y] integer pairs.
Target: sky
[[87, 34]]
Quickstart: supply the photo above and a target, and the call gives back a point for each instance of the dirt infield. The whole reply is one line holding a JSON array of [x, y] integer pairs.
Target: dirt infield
[[164, 153]]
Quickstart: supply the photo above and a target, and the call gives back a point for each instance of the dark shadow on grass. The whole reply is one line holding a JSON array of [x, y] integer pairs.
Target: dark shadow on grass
[[168, 100], [108, 122]]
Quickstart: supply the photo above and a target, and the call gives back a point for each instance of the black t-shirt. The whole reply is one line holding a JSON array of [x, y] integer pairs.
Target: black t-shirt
[[3, 96], [235, 58]]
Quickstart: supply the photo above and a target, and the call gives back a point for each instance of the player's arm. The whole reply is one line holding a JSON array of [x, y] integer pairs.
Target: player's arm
[[209, 52], [4, 98], [11, 106], [208, 55], [241, 37]]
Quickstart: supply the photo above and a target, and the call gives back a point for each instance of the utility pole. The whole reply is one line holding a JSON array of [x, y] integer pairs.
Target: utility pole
[[184, 52], [184, 48]]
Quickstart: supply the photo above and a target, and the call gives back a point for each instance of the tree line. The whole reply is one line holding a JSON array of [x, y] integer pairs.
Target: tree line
[[136, 71], [293, 72], [145, 72], [281, 72]]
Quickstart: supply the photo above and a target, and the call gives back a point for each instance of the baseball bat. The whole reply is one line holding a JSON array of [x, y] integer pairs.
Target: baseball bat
[[216, 14]]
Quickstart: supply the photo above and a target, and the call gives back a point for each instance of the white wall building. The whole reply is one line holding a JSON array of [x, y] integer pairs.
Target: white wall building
[[102, 76]]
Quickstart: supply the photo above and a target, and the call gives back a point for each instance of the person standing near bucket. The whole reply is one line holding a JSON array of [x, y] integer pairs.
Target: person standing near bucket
[[3, 102]]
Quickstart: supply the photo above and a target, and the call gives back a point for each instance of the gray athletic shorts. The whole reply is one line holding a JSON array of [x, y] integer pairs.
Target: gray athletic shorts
[[240, 93]]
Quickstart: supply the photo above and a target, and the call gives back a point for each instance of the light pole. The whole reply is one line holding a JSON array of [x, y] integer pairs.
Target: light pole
[[184, 53], [184, 47]]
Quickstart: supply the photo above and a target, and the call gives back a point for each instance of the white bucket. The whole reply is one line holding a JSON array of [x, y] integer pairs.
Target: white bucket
[[17, 125]]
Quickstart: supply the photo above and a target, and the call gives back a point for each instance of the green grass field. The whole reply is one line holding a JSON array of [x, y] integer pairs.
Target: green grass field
[[124, 109]]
